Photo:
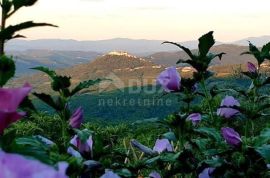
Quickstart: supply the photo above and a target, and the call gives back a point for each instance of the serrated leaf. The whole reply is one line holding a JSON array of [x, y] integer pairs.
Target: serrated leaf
[[47, 99], [152, 160], [186, 50], [6, 5], [210, 132], [84, 85], [7, 69], [213, 56], [170, 136], [20, 3], [50, 73], [61, 83], [264, 151], [205, 43], [266, 49], [27, 104], [83, 134], [201, 143], [31, 146], [263, 138], [170, 157], [9, 32], [215, 162]]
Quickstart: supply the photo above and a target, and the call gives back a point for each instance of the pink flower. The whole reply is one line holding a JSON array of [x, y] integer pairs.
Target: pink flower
[[76, 118], [83, 147], [10, 99], [226, 110], [17, 166], [206, 173], [231, 136], [251, 67], [170, 80], [110, 174], [154, 174], [195, 118], [163, 145]]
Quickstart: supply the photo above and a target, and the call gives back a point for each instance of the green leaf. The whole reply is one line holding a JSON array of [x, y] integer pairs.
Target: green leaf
[[189, 53], [266, 49], [61, 83], [205, 43], [27, 104], [46, 70], [170, 157], [20, 3], [152, 160], [83, 134], [6, 5], [124, 173], [170, 136], [7, 69], [256, 53], [264, 151], [48, 100], [215, 162], [85, 84], [202, 143], [213, 56], [31, 146], [9, 32], [210, 132], [264, 137]]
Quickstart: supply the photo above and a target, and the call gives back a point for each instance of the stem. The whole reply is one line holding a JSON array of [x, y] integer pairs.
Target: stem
[[208, 99], [3, 26]]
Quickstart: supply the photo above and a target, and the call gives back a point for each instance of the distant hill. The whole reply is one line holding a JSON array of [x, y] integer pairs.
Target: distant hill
[[139, 47], [258, 41], [121, 67], [49, 58]]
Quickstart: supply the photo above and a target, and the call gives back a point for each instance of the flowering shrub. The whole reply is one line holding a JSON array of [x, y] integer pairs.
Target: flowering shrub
[[207, 137]]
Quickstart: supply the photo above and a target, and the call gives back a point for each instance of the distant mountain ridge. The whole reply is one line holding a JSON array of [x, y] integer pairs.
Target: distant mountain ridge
[[140, 47]]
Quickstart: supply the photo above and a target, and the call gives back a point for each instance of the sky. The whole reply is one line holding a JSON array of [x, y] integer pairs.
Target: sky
[[175, 20]]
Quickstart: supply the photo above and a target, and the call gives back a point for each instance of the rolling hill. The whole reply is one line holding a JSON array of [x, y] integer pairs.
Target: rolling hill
[[124, 69], [49, 58]]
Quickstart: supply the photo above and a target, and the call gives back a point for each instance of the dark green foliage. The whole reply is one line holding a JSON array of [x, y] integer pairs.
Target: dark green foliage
[[10, 32], [200, 61], [7, 69], [259, 55]]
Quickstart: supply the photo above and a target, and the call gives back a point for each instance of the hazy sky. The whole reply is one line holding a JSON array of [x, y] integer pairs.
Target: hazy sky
[[177, 20]]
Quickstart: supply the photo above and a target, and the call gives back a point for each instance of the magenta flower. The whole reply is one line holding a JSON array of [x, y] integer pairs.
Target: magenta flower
[[225, 110], [17, 166], [163, 145], [170, 80], [231, 136], [74, 152], [154, 174], [76, 118], [195, 118], [110, 174], [83, 147], [206, 173], [251, 67], [10, 99]]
